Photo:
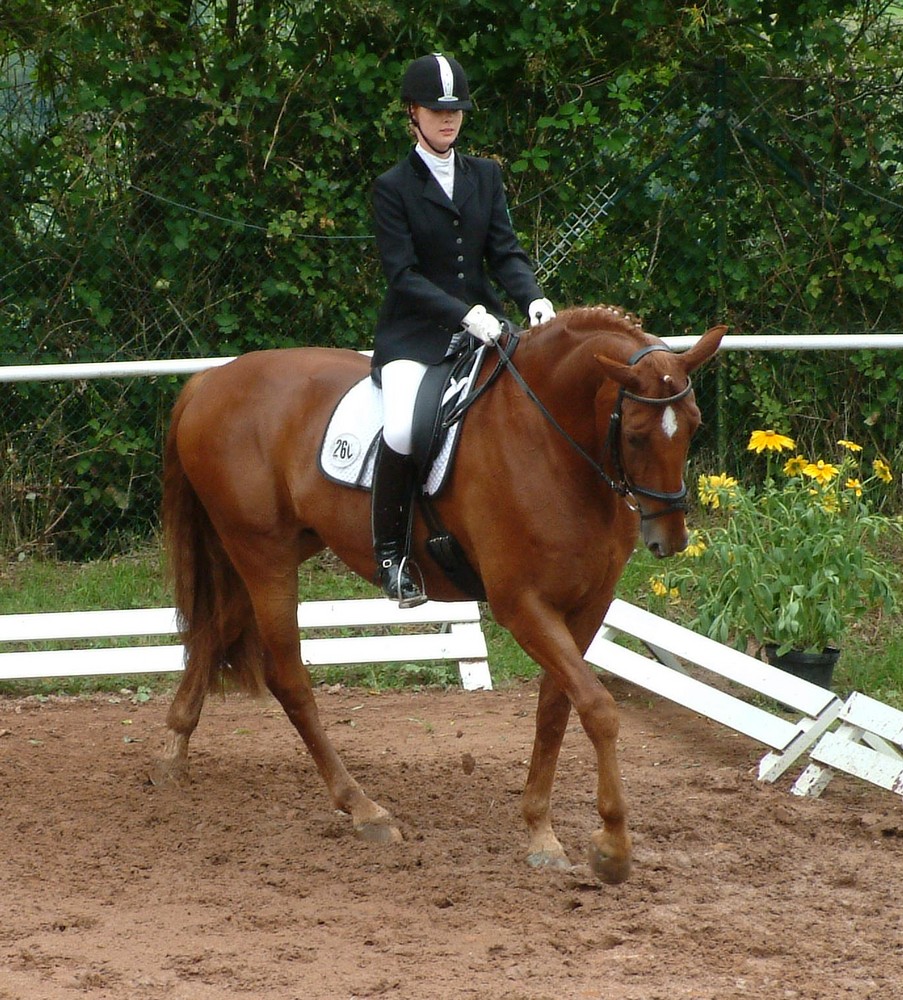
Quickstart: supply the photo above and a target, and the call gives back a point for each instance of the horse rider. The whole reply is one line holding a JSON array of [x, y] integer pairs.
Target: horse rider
[[441, 223]]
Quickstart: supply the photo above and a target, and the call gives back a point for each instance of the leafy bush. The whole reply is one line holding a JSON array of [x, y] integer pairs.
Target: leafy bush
[[183, 179]]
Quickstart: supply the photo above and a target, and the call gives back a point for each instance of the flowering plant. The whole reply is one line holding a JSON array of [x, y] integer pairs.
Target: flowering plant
[[790, 563]]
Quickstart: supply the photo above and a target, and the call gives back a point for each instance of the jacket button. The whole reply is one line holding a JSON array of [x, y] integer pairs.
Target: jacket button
[[460, 275]]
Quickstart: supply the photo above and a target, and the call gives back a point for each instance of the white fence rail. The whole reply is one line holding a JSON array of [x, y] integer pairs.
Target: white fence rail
[[437, 630], [868, 744], [672, 644], [187, 366]]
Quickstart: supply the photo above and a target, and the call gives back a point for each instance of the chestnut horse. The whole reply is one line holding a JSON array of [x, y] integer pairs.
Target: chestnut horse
[[577, 447]]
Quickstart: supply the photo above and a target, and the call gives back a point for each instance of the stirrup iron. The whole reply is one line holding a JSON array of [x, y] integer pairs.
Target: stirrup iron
[[398, 585]]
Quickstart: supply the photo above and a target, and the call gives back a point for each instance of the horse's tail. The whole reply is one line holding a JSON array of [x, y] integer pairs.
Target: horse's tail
[[213, 608]]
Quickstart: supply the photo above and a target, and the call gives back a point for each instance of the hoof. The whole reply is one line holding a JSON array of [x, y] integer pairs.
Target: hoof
[[378, 833], [608, 864], [168, 774], [606, 867], [548, 859]]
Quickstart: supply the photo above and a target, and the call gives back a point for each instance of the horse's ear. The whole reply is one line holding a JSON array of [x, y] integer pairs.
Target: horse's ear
[[618, 372], [690, 360], [703, 349]]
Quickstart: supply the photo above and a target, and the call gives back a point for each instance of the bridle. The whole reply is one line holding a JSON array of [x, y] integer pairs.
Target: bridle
[[675, 501], [623, 485]]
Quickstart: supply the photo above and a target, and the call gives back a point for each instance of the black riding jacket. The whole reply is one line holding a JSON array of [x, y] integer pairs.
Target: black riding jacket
[[438, 255]]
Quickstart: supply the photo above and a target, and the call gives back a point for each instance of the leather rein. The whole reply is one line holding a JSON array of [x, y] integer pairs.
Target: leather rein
[[623, 485]]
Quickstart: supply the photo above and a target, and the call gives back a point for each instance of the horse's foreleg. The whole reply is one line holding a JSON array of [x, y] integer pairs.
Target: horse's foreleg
[[609, 849], [552, 714], [552, 646]]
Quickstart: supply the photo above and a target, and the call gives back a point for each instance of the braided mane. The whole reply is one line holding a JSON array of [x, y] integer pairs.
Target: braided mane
[[589, 319]]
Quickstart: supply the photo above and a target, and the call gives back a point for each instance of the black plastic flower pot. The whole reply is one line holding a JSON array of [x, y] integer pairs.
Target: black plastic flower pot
[[815, 667]]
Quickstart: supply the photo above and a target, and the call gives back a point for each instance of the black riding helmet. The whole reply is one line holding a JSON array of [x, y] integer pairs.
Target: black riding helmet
[[436, 82]]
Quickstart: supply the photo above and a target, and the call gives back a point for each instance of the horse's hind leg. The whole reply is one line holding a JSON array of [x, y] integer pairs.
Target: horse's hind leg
[[292, 688], [275, 599], [289, 681], [181, 721], [207, 648], [552, 714]]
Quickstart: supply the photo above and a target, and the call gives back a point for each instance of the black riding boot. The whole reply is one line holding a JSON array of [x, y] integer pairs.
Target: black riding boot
[[393, 487]]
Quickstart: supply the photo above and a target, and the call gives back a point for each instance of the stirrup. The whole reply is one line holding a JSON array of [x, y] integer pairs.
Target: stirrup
[[402, 588], [417, 594]]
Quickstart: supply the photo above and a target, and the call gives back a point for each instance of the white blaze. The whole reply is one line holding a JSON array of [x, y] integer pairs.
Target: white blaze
[[669, 421]]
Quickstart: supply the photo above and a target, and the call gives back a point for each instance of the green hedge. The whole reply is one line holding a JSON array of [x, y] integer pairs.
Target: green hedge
[[193, 180]]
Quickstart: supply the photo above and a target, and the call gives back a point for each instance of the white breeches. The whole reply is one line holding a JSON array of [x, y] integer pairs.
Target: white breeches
[[401, 379]]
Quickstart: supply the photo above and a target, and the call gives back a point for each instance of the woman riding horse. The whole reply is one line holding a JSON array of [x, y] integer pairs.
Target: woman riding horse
[[441, 220], [596, 416]]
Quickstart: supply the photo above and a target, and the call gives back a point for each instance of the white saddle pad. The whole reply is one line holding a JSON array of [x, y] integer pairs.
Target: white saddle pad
[[349, 444]]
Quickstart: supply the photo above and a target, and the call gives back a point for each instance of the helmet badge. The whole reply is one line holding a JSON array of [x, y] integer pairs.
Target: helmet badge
[[446, 78]]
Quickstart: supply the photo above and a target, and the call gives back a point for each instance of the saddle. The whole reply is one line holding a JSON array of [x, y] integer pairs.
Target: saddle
[[348, 450]]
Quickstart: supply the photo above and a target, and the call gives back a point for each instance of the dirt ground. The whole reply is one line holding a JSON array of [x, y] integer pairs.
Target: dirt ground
[[249, 885]]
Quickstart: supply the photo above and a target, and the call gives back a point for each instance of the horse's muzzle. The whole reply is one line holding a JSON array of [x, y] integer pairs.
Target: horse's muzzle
[[665, 536]]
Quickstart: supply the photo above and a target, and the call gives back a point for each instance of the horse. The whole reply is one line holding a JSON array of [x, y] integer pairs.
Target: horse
[[576, 448]]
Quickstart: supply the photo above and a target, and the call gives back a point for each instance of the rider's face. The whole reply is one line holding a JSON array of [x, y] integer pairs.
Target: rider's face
[[440, 128]]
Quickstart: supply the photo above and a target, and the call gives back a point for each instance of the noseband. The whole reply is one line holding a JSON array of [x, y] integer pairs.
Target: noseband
[[623, 485]]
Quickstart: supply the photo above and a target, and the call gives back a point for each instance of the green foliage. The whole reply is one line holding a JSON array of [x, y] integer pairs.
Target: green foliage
[[193, 180], [79, 456], [793, 562]]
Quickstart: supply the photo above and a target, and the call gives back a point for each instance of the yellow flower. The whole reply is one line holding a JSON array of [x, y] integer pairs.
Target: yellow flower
[[850, 445], [855, 486], [822, 472], [882, 470], [829, 502], [769, 440], [795, 466], [695, 549], [659, 588], [709, 487]]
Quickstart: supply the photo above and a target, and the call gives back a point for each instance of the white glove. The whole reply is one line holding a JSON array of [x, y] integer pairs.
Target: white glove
[[540, 311], [482, 325]]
